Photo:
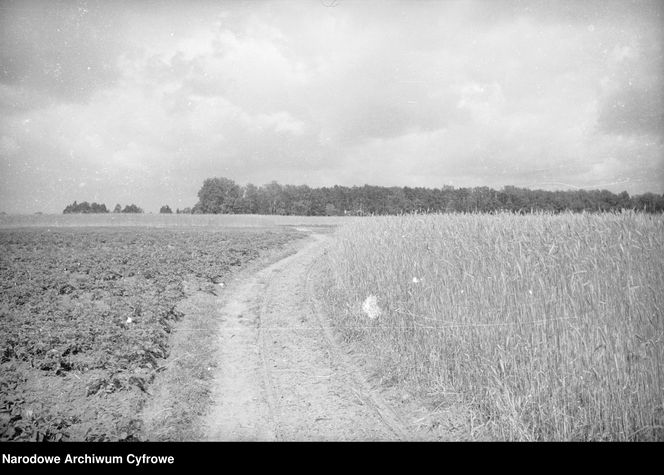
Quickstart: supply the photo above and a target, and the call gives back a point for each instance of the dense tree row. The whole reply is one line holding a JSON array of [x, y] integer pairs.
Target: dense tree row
[[223, 195], [85, 207]]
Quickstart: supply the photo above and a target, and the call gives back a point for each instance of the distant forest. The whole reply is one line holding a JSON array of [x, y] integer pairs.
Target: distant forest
[[85, 207], [223, 195]]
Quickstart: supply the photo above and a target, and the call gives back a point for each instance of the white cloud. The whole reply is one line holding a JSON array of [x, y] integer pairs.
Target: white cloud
[[484, 101], [8, 146], [280, 122], [386, 93]]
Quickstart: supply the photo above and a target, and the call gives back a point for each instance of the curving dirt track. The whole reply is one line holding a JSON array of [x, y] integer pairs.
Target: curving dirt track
[[280, 374]]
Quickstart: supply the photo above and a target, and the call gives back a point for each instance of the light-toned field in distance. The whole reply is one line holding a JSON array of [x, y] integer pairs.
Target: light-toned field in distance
[[168, 220]]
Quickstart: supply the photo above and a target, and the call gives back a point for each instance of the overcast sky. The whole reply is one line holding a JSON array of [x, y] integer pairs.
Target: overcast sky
[[139, 102]]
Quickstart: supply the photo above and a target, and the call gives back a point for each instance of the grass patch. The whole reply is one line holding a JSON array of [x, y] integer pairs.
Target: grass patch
[[182, 393]]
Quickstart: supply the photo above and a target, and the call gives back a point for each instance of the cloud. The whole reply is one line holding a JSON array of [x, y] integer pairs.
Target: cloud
[[66, 50], [633, 110], [398, 93], [631, 100]]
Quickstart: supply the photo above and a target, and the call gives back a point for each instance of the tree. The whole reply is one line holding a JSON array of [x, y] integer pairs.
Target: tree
[[646, 202], [117, 209], [250, 197], [166, 210], [98, 208], [272, 199], [85, 207], [132, 208], [70, 208], [218, 195]]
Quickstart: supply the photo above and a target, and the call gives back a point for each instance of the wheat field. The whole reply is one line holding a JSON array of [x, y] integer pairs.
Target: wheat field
[[549, 326]]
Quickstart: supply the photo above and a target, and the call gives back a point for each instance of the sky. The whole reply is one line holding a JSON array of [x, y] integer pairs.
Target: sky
[[139, 102]]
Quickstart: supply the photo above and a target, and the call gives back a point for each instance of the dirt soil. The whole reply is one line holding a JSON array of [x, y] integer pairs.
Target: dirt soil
[[282, 376], [88, 318]]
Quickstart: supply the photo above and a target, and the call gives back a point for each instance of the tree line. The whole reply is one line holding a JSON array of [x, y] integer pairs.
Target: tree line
[[85, 207], [223, 195]]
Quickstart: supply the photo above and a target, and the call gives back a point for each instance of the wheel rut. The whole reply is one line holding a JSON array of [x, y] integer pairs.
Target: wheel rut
[[280, 375]]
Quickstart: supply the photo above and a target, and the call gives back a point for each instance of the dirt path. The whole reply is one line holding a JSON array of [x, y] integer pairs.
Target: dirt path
[[280, 375]]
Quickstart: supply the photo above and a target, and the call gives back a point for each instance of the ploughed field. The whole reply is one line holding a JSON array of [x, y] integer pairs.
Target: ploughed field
[[86, 315]]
